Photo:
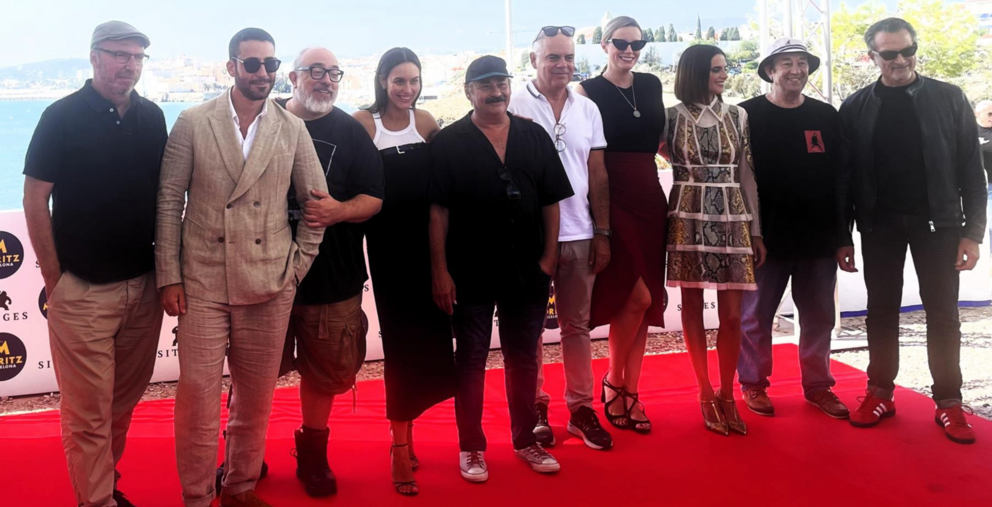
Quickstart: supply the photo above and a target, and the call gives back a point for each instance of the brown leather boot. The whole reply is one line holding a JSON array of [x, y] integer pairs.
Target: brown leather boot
[[756, 399], [827, 401], [246, 499]]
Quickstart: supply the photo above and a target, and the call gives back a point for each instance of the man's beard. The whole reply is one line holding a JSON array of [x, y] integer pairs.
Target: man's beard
[[313, 102], [244, 85]]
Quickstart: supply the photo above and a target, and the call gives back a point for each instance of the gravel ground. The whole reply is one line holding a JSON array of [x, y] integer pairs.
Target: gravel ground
[[976, 361]]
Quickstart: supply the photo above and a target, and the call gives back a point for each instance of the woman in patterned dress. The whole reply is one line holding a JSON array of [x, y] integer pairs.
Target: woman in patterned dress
[[714, 232]]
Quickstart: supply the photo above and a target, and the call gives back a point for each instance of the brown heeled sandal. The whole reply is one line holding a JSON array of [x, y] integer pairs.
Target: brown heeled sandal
[[730, 414], [713, 418]]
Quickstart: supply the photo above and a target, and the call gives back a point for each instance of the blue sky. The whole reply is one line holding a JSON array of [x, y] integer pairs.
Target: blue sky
[[36, 30]]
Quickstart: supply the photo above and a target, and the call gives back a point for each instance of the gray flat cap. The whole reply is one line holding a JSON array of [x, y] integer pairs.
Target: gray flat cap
[[117, 30]]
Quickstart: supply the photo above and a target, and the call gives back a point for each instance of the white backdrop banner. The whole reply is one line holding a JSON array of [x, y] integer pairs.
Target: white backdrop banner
[[26, 359]]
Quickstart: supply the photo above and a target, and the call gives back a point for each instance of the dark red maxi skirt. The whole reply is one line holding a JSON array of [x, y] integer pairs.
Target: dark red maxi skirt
[[638, 217]]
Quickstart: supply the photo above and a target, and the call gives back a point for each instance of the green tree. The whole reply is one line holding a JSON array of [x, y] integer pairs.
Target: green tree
[[659, 35], [651, 57], [597, 35], [581, 39], [699, 28], [673, 36], [711, 33], [524, 60], [648, 35], [680, 38], [948, 37]]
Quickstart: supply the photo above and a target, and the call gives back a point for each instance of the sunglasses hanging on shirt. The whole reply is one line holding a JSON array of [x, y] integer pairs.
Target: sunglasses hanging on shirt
[[622, 45], [893, 54], [253, 64]]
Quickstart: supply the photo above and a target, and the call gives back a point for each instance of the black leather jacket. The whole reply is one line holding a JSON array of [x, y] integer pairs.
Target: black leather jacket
[[953, 159]]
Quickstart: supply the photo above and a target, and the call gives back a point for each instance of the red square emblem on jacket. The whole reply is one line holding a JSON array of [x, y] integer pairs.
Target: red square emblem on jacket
[[814, 142]]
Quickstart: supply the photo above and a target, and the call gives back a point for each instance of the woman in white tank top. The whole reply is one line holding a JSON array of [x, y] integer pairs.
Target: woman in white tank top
[[416, 335]]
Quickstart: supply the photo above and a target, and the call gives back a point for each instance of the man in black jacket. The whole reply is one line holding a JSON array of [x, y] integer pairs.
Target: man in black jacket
[[911, 161]]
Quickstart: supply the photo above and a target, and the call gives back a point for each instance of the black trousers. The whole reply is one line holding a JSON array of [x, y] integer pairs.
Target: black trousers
[[934, 255]]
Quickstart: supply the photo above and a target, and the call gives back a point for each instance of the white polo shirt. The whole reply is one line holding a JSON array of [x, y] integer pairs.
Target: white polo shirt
[[583, 133]]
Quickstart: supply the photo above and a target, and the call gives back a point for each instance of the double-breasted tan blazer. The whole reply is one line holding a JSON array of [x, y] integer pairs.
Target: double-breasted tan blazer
[[234, 244]]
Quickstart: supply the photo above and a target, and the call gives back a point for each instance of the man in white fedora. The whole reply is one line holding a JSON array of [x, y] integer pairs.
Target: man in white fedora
[[795, 144]]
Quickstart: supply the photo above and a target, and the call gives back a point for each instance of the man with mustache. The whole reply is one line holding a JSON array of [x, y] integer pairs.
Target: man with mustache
[[229, 267], [911, 175], [326, 323], [494, 242], [97, 154], [575, 125], [794, 141]]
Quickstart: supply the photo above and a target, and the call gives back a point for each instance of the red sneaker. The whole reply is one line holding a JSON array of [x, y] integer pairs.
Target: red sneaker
[[872, 410], [955, 424]]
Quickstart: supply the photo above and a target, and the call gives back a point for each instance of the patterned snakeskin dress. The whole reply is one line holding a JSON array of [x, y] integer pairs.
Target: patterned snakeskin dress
[[713, 206]]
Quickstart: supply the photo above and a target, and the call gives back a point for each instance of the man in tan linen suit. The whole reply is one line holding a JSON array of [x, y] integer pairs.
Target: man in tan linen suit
[[230, 267]]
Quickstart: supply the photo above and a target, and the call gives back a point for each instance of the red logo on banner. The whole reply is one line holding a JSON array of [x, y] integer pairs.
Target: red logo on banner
[[814, 142]]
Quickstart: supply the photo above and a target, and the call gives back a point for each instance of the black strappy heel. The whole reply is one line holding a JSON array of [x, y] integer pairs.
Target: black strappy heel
[[613, 418], [637, 425], [399, 485], [414, 462]]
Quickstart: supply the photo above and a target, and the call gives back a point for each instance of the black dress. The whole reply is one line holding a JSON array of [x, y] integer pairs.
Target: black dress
[[416, 334], [638, 207]]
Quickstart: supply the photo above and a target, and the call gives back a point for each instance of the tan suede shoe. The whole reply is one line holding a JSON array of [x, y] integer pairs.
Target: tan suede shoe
[[756, 399], [827, 401]]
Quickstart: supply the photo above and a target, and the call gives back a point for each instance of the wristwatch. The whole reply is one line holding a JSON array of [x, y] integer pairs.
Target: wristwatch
[[604, 232]]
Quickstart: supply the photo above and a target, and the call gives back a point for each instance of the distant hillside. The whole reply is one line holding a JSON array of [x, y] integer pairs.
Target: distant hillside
[[50, 69]]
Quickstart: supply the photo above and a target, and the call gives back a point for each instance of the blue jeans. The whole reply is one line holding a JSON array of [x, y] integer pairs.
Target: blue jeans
[[521, 320], [813, 283]]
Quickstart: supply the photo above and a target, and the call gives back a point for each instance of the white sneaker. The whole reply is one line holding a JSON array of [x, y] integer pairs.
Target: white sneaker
[[538, 459], [473, 466]]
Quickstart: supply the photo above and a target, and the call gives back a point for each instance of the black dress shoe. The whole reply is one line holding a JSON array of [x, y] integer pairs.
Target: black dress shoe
[[121, 500]]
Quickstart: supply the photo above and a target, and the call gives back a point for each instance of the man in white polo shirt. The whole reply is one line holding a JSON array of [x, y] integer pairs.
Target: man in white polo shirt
[[575, 125]]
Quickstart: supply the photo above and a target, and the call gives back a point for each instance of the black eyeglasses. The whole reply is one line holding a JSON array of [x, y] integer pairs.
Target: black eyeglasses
[[559, 137], [892, 55], [512, 192], [124, 56], [622, 45], [318, 73], [253, 64], [551, 31]]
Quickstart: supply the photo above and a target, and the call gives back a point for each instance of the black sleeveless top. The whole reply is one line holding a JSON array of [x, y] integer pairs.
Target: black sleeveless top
[[625, 132]]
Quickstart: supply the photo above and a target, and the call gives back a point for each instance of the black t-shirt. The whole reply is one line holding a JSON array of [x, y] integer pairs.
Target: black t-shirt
[[900, 170], [624, 131], [105, 169], [985, 138], [353, 166], [795, 152], [495, 242]]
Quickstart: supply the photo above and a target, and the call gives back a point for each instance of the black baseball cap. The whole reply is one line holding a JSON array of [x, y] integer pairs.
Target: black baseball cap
[[486, 67]]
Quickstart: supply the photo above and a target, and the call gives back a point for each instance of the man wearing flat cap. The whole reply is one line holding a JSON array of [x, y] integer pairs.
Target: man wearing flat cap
[[97, 154], [494, 242], [795, 147]]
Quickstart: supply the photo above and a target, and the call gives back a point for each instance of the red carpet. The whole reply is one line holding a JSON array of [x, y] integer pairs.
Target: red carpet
[[799, 457]]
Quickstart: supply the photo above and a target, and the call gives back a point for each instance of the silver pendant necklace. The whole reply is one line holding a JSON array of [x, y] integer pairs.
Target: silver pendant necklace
[[637, 114]]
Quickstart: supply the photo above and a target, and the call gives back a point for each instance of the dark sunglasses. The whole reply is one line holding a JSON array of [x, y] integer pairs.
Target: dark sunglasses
[[635, 45], [511, 188], [559, 137], [551, 31], [253, 64], [318, 73], [892, 55]]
